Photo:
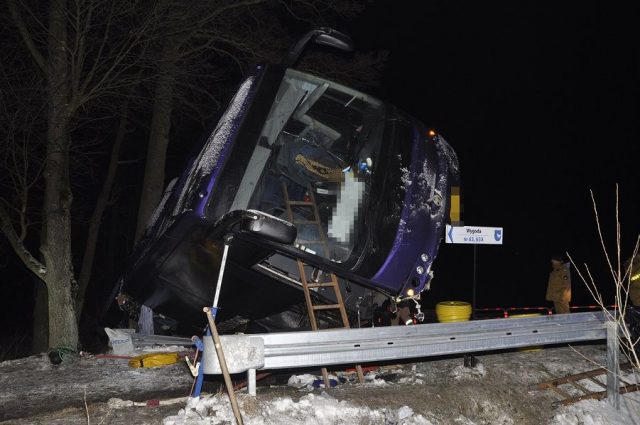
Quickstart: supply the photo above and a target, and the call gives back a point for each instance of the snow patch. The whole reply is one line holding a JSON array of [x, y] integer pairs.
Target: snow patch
[[406, 177], [445, 149], [592, 412], [462, 372], [311, 409], [217, 140]]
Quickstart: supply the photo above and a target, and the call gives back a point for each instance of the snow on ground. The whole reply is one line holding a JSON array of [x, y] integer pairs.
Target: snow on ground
[[592, 412], [500, 389], [31, 385], [379, 401], [321, 409]]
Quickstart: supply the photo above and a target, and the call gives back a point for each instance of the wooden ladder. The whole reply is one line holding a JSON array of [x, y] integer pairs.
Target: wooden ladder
[[309, 284], [583, 392]]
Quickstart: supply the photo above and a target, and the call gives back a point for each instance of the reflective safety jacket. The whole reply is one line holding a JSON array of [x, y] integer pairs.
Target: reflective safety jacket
[[633, 265], [559, 286]]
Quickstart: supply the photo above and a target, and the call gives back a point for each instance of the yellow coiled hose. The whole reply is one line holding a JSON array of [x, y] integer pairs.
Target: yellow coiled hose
[[453, 311]]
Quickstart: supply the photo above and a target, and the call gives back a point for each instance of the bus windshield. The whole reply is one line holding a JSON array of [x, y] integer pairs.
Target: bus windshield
[[312, 164]]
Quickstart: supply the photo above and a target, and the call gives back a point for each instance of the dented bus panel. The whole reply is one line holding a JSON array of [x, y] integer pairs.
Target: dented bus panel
[[380, 183]]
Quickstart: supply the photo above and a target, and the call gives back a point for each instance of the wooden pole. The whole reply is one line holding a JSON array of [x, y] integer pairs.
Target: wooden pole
[[223, 366]]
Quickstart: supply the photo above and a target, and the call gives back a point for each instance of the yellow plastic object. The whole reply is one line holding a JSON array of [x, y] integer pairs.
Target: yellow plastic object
[[532, 348], [456, 206], [154, 359], [453, 311]]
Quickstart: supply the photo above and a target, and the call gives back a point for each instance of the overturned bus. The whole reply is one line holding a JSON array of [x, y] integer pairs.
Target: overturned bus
[[298, 169]]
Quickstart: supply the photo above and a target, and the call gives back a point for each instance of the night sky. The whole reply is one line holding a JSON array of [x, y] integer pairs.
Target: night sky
[[541, 103]]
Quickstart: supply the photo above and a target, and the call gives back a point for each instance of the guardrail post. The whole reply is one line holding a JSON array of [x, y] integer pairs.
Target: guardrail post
[[613, 366], [251, 382]]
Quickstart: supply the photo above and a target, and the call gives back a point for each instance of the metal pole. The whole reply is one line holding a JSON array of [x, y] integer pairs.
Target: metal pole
[[220, 275], [613, 366], [473, 300], [223, 366]]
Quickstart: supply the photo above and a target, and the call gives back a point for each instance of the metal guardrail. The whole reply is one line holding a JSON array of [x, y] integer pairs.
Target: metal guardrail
[[364, 345], [342, 346], [356, 346], [331, 347]]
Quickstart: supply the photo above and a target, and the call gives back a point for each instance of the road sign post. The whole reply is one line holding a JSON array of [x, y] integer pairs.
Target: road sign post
[[474, 235]]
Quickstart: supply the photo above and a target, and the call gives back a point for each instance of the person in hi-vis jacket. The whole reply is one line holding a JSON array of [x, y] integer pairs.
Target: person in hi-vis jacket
[[559, 285], [632, 266]]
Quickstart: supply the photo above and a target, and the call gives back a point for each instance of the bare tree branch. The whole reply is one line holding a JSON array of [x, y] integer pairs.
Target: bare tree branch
[[35, 266], [26, 35]]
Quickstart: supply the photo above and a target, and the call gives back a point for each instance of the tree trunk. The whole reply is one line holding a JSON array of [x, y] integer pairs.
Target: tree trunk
[[40, 339], [56, 246], [56, 243], [63, 328], [153, 184]]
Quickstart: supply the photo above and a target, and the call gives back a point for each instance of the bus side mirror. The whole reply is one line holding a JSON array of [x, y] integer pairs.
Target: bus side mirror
[[324, 36], [336, 39], [269, 227]]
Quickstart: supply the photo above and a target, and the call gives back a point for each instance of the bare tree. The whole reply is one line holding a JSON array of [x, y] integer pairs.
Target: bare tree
[[80, 51], [620, 280]]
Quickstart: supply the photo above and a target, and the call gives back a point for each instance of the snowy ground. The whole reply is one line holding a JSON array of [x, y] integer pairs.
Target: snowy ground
[[501, 389]]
